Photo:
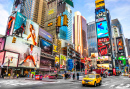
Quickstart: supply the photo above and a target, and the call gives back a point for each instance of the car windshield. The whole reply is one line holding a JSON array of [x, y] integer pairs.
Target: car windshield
[[90, 76]]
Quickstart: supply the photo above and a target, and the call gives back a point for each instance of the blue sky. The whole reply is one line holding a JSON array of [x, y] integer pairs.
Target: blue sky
[[118, 9]]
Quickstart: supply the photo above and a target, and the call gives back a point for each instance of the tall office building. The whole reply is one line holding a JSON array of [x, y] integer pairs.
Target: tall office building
[[32, 9], [92, 38], [80, 34]]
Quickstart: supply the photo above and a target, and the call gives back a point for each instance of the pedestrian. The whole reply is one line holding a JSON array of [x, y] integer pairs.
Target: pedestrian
[[77, 76], [65, 76], [73, 76], [56, 76]]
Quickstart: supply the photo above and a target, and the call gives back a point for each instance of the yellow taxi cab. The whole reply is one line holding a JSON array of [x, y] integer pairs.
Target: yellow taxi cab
[[92, 79]]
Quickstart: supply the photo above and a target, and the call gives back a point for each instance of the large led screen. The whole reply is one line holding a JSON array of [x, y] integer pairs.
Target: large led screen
[[45, 34], [119, 42], [1, 57], [100, 14], [104, 46], [29, 54], [102, 29], [26, 29], [11, 59], [2, 42], [10, 25], [62, 62], [46, 47]]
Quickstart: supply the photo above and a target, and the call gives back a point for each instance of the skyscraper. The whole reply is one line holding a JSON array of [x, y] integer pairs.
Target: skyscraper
[[80, 34], [32, 9], [92, 38]]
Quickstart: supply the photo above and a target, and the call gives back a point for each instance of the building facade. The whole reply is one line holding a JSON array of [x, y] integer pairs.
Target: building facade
[[92, 38], [128, 45]]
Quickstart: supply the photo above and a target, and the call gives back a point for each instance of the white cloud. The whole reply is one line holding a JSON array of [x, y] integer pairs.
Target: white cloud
[[3, 19]]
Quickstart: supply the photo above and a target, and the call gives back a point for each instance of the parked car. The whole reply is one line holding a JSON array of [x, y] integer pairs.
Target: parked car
[[92, 79], [53, 76]]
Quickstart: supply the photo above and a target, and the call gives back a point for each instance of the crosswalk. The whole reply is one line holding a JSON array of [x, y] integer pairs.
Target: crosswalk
[[22, 82], [116, 86]]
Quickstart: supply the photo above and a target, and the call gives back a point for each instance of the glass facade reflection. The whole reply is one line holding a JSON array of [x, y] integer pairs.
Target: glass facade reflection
[[92, 38]]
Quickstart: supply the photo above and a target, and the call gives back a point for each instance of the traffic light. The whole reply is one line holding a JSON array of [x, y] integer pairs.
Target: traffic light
[[65, 22], [14, 40], [58, 21]]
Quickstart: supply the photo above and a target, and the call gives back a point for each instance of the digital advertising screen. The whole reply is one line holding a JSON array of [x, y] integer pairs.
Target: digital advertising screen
[[119, 42], [70, 64], [102, 29], [26, 29], [100, 14], [103, 41], [2, 43], [62, 62], [45, 34], [10, 25], [11, 59], [46, 47], [29, 54], [1, 57]]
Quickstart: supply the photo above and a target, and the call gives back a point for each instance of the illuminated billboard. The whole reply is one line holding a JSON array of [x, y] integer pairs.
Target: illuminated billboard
[[99, 3], [11, 59], [2, 42], [10, 25], [104, 47], [45, 34], [119, 42], [102, 29], [26, 29], [46, 47], [62, 62], [29, 54], [100, 14]]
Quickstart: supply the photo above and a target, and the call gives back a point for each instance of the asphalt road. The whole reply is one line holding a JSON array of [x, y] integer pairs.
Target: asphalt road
[[115, 82]]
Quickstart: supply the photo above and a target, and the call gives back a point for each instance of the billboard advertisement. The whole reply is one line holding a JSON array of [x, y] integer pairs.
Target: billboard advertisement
[[62, 62], [100, 14], [104, 46], [115, 32], [45, 34], [2, 43], [102, 29], [70, 64], [29, 54], [46, 47], [10, 25], [11, 59], [26, 29], [99, 3], [119, 42], [1, 57]]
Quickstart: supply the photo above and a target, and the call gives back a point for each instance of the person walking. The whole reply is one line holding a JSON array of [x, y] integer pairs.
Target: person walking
[[73, 76], [56, 76], [77, 76]]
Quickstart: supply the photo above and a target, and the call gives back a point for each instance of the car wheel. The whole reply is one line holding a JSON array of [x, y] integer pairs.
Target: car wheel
[[83, 85], [95, 84], [100, 83]]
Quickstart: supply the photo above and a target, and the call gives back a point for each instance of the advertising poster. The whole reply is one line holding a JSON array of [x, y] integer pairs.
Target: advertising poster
[[104, 46], [94, 55], [119, 42], [29, 54], [102, 29], [57, 60], [45, 34], [46, 47], [26, 29], [62, 62], [99, 3], [115, 32], [100, 14], [1, 57], [11, 59], [20, 24], [54, 48], [70, 64], [2, 42], [10, 25], [31, 32]]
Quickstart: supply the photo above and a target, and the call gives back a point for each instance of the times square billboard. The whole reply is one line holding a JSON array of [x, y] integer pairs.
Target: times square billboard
[[24, 28]]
